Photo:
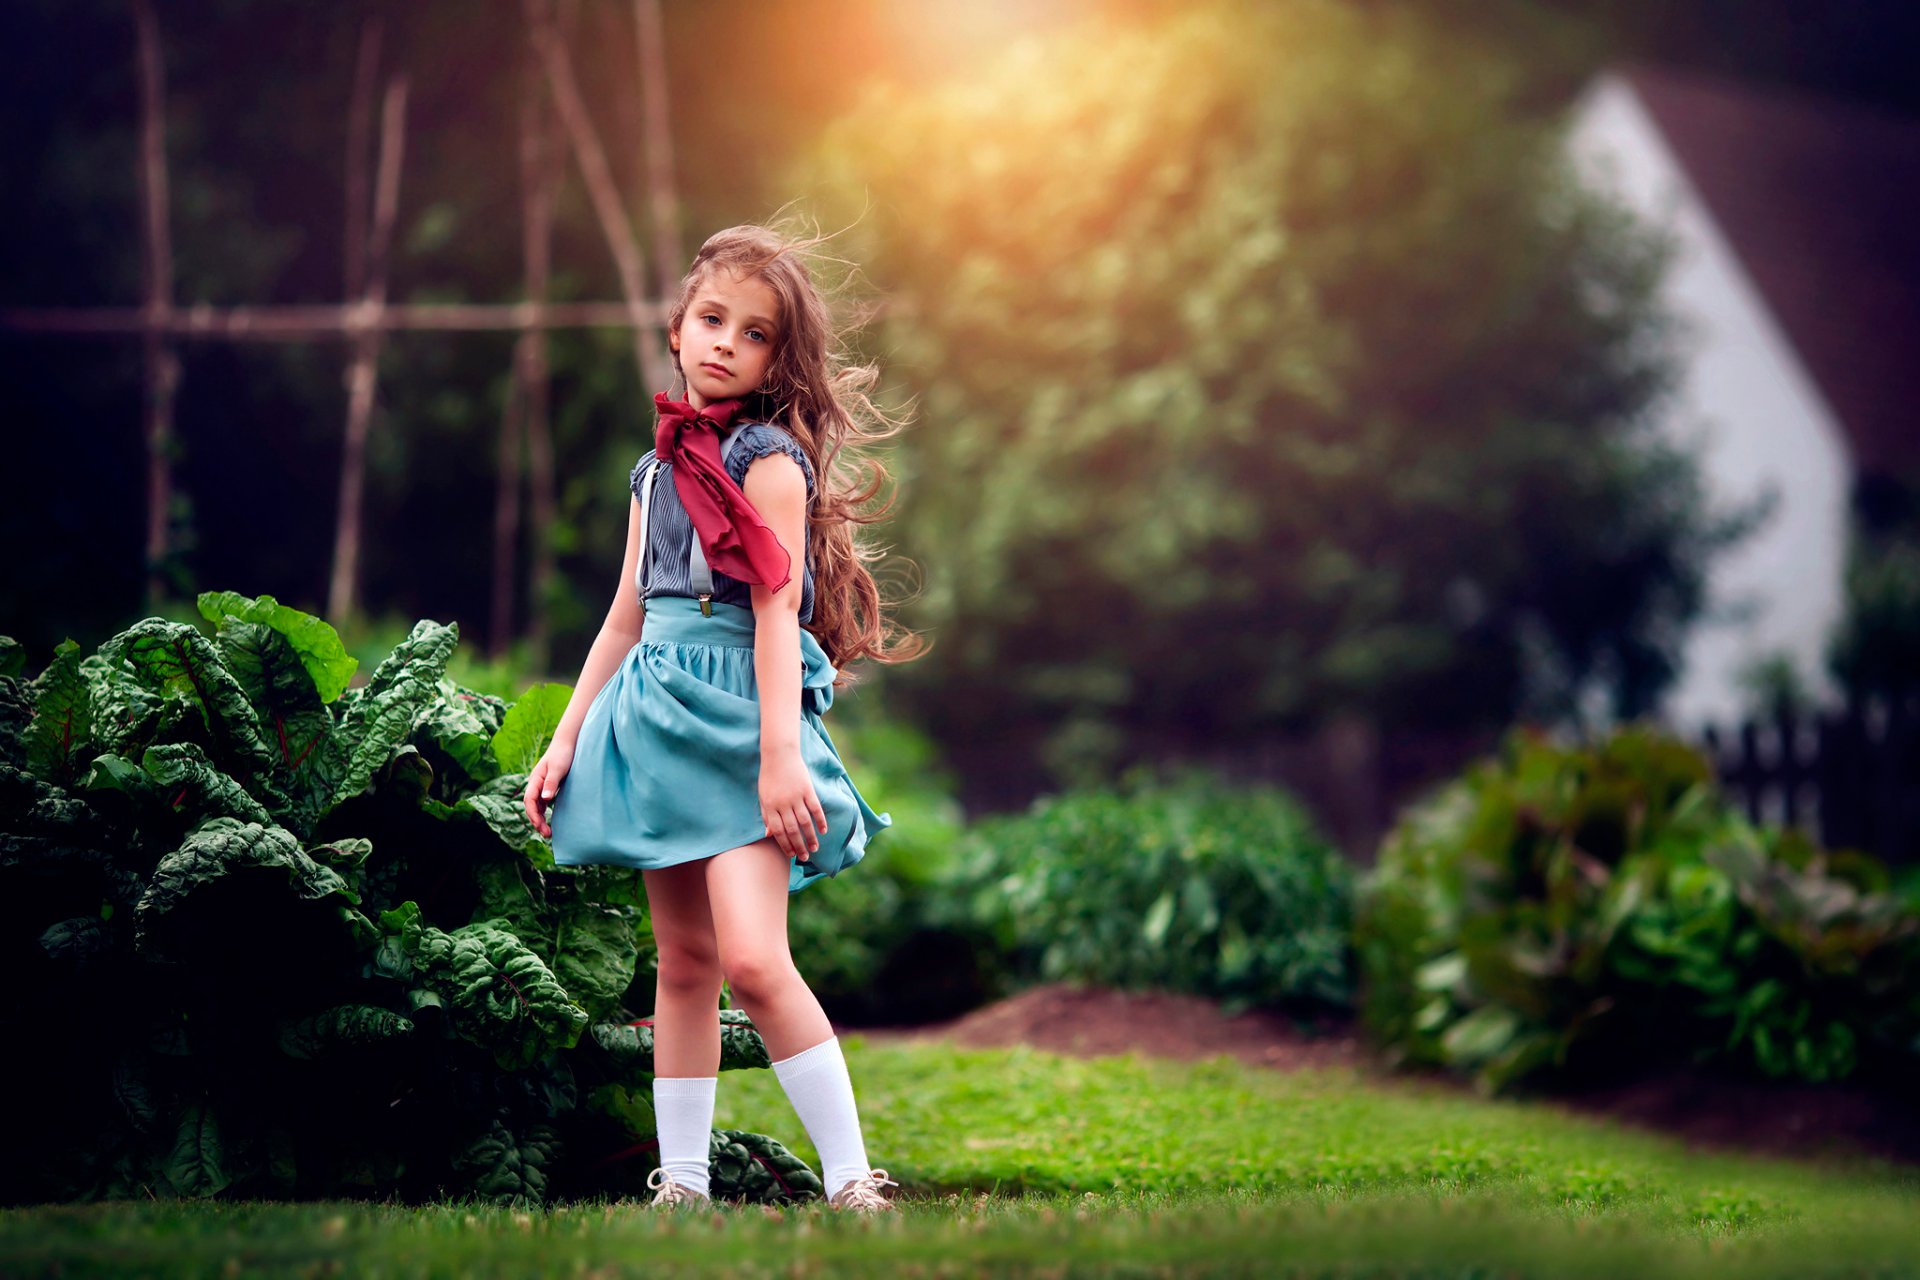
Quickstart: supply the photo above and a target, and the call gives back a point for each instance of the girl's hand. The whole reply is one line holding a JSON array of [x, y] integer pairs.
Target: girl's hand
[[789, 806], [544, 781]]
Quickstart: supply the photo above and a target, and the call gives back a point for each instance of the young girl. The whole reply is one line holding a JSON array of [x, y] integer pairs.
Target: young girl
[[695, 750]]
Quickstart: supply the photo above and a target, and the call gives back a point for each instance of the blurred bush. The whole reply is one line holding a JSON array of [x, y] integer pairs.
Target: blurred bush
[[873, 945], [1185, 883], [1567, 913]]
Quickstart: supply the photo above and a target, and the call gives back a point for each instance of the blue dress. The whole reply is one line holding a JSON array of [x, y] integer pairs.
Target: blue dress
[[667, 765]]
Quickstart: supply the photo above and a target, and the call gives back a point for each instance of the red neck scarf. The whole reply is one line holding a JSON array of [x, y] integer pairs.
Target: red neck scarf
[[737, 541]]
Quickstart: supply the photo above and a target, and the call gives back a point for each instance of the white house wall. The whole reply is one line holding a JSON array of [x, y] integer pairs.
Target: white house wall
[[1748, 409]]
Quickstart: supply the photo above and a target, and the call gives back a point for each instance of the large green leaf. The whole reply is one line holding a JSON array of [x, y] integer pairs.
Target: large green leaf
[[344, 1026], [197, 1166], [528, 728], [508, 1167], [128, 716], [280, 681], [589, 947], [176, 784], [313, 641], [756, 1169], [497, 993], [61, 731], [376, 720], [232, 881], [79, 944], [183, 667], [462, 723]]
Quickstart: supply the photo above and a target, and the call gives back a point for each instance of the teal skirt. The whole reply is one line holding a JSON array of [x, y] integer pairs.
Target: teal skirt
[[667, 766]]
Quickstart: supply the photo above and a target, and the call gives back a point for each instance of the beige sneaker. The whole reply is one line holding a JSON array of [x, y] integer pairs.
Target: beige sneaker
[[668, 1192], [864, 1194]]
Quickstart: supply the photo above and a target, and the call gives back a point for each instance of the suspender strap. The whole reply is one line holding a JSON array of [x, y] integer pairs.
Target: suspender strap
[[698, 573], [646, 506]]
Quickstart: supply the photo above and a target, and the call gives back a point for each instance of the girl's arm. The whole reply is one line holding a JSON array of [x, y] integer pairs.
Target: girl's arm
[[777, 488], [618, 634]]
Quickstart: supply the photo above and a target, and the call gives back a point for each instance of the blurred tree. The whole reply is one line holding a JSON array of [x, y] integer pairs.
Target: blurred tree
[[1269, 362], [1875, 651]]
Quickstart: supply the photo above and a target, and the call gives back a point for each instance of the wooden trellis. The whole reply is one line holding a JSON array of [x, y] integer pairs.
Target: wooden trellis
[[366, 317]]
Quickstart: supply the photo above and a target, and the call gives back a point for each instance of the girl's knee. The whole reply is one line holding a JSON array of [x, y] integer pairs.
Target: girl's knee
[[759, 973], [689, 969]]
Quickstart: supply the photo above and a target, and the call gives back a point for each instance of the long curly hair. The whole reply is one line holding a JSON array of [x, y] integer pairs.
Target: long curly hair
[[820, 395]]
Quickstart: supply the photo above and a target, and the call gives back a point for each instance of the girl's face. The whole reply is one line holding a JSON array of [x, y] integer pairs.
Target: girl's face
[[726, 340]]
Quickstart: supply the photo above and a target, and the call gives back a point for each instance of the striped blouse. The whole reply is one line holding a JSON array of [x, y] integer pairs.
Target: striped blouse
[[670, 528]]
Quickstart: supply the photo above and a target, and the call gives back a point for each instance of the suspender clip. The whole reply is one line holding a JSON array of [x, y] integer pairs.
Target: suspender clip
[[706, 604]]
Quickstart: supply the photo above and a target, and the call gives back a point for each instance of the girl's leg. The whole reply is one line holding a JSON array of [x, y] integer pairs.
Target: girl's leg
[[686, 995], [686, 1020], [747, 894]]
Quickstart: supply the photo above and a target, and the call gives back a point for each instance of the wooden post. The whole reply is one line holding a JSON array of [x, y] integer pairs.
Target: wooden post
[[615, 225], [665, 202], [162, 362], [343, 590], [526, 417], [359, 142]]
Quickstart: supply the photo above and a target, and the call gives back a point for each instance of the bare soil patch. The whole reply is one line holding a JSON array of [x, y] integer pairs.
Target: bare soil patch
[[1706, 1110], [1094, 1021]]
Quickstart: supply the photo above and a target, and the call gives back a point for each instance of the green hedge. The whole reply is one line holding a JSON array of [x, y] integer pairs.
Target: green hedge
[[1577, 911], [1187, 883]]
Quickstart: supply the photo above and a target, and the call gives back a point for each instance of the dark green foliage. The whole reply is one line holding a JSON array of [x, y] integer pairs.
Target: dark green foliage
[[757, 1169], [883, 945], [1579, 911], [508, 1167], [334, 956], [345, 1026], [498, 993], [631, 1045], [1191, 884]]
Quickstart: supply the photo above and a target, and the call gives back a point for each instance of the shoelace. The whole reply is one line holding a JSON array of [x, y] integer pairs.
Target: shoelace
[[667, 1191], [864, 1193]]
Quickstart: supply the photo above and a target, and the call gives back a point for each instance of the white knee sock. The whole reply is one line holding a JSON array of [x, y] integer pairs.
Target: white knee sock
[[817, 1084], [683, 1115]]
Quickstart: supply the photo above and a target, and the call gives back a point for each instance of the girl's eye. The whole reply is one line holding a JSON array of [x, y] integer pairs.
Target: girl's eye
[[756, 335], [711, 319]]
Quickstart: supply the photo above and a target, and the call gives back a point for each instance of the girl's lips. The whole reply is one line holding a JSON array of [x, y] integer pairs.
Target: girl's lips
[[720, 369]]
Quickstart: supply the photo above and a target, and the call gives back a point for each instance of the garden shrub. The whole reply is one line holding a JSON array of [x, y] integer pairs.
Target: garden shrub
[[1578, 912], [273, 936], [1186, 883]]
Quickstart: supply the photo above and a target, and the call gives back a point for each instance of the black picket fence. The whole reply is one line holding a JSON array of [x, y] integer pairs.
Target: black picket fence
[[1851, 776]]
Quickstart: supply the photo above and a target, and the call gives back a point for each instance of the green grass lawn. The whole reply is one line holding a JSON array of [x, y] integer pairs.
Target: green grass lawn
[[1021, 1161]]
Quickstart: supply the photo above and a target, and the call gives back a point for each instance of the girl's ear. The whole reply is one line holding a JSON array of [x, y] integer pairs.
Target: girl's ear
[[673, 341]]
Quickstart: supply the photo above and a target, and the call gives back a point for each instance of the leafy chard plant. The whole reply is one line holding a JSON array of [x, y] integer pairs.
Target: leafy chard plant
[[280, 936]]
